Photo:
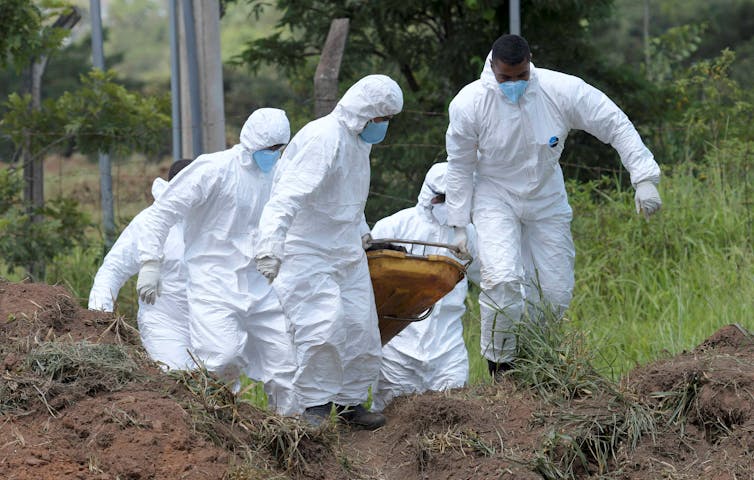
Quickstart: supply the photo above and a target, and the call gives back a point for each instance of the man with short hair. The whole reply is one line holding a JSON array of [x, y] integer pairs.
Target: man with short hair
[[311, 243], [506, 134]]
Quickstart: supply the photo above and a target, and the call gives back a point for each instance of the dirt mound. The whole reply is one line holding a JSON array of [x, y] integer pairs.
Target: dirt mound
[[44, 312], [80, 399], [483, 432], [694, 412]]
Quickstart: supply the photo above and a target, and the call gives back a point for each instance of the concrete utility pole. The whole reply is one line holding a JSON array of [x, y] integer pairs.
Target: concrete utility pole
[[175, 82], [515, 17], [105, 169], [201, 78], [328, 69]]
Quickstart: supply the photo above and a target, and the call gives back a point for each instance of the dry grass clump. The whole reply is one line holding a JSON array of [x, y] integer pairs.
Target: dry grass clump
[[17, 392], [251, 432], [585, 438], [249, 472], [112, 365], [465, 441], [56, 373]]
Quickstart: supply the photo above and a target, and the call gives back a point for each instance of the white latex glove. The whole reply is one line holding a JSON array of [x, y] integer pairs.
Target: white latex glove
[[148, 285], [268, 266], [460, 241], [366, 240], [647, 198]]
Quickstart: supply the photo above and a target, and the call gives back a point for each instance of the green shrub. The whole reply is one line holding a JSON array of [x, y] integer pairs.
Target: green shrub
[[60, 228]]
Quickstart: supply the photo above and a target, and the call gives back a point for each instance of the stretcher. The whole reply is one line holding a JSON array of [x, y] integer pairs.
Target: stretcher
[[407, 285]]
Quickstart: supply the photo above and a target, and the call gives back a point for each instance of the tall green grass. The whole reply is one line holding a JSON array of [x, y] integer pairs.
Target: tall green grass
[[647, 289]]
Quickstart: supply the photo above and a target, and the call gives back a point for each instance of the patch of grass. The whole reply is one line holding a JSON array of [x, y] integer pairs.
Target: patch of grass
[[680, 400], [293, 443], [585, 439], [555, 361], [472, 337], [111, 365], [213, 407], [18, 391], [454, 439], [661, 287], [250, 472], [71, 370], [241, 427]]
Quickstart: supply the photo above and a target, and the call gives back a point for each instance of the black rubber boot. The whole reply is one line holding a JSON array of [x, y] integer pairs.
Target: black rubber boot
[[318, 415], [358, 416], [497, 370]]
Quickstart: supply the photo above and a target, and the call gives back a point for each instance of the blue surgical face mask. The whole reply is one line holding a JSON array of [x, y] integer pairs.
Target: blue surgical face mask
[[374, 132], [513, 90], [266, 159]]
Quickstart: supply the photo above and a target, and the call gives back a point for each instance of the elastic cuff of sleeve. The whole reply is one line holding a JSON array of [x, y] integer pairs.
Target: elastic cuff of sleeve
[[654, 180]]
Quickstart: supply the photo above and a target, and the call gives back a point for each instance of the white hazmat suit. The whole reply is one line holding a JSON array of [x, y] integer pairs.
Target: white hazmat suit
[[518, 202], [163, 327], [313, 223], [236, 322], [430, 354]]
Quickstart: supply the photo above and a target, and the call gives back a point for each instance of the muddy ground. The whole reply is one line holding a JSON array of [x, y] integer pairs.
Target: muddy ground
[[80, 400]]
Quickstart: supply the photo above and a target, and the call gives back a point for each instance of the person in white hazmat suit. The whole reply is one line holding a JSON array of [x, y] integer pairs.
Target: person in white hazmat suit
[[430, 354], [506, 134], [163, 327], [236, 322], [311, 243]]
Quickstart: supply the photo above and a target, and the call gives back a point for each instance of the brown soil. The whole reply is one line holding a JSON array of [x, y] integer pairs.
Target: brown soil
[[151, 425]]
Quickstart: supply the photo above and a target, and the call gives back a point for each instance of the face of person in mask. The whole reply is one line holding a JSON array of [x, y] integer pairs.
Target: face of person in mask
[[510, 73], [439, 209], [267, 157], [375, 129], [512, 79]]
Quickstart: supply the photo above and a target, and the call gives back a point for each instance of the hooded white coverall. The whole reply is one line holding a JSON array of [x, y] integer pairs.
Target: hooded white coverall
[[430, 354], [518, 201], [313, 223], [163, 327], [235, 319]]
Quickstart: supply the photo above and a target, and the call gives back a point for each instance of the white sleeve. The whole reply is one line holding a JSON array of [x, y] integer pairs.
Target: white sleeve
[[120, 264], [593, 112], [383, 229], [461, 143], [192, 187], [300, 176]]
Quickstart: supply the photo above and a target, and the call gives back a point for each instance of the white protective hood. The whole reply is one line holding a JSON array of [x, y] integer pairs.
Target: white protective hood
[[371, 97], [158, 186], [434, 184], [265, 128]]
